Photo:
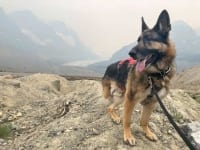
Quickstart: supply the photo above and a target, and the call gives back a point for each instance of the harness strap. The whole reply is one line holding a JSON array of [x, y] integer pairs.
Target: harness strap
[[161, 74]]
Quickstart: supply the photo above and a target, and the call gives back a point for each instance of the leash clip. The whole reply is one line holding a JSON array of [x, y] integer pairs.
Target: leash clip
[[165, 72], [168, 70]]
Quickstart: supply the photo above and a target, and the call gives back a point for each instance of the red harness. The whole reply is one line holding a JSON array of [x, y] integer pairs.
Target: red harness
[[130, 60]]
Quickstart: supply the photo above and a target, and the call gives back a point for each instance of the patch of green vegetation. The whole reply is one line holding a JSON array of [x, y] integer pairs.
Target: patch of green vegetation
[[177, 116], [5, 131], [195, 96]]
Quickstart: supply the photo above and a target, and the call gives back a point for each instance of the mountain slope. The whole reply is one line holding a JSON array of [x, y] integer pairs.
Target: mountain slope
[[15, 48], [187, 44], [188, 79], [26, 41], [120, 54]]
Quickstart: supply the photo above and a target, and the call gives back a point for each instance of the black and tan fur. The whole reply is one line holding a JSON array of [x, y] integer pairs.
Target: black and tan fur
[[131, 85]]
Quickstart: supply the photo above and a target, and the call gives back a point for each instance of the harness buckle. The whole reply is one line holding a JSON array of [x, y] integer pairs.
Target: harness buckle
[[164, 72], [168, 70]]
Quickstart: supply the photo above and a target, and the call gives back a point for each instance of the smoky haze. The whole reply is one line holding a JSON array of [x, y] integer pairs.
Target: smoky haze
[[107, 25], [28, 44], [52, 36]]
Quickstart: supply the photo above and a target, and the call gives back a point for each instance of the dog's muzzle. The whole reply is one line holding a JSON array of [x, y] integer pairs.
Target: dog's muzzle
[[133, 52]]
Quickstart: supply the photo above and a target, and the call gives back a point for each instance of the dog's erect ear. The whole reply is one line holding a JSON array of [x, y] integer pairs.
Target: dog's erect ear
[[144, 25], [163, 25]]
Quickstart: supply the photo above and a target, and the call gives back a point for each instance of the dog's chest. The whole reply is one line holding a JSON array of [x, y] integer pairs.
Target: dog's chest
[[142, 94], [143, 90]]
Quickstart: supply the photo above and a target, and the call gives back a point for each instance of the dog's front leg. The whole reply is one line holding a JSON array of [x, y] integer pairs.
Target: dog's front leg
[[128, 109], [146, 113]]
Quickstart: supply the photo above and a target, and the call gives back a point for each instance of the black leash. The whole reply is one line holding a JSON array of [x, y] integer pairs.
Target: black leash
[[170, 118]]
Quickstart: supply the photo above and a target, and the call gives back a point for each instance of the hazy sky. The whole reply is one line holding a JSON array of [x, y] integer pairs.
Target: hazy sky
[[107, 25]]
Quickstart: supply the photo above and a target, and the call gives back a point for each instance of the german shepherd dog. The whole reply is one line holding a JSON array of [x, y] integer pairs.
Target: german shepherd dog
[[132, 83]]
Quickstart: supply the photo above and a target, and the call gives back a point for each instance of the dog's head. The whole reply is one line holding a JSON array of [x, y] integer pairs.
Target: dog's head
[[152, 43]]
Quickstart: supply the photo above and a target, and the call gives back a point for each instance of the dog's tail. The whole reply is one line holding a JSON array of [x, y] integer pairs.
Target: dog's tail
[[106, 85]]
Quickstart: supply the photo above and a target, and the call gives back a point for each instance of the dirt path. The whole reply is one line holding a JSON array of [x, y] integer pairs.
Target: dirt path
[[50, 112]]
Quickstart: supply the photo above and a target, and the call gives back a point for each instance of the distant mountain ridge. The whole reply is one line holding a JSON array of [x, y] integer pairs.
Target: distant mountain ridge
[[187, 43], [26, 41]]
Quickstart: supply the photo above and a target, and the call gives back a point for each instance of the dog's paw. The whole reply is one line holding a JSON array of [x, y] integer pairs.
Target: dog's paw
[[130, 140], [151, 136], [116, 120]]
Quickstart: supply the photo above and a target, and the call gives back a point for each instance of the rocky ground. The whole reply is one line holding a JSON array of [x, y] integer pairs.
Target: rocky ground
[[44, 111]]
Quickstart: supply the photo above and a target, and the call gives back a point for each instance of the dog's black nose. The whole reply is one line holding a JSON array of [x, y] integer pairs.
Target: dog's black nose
[[132, 53]]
